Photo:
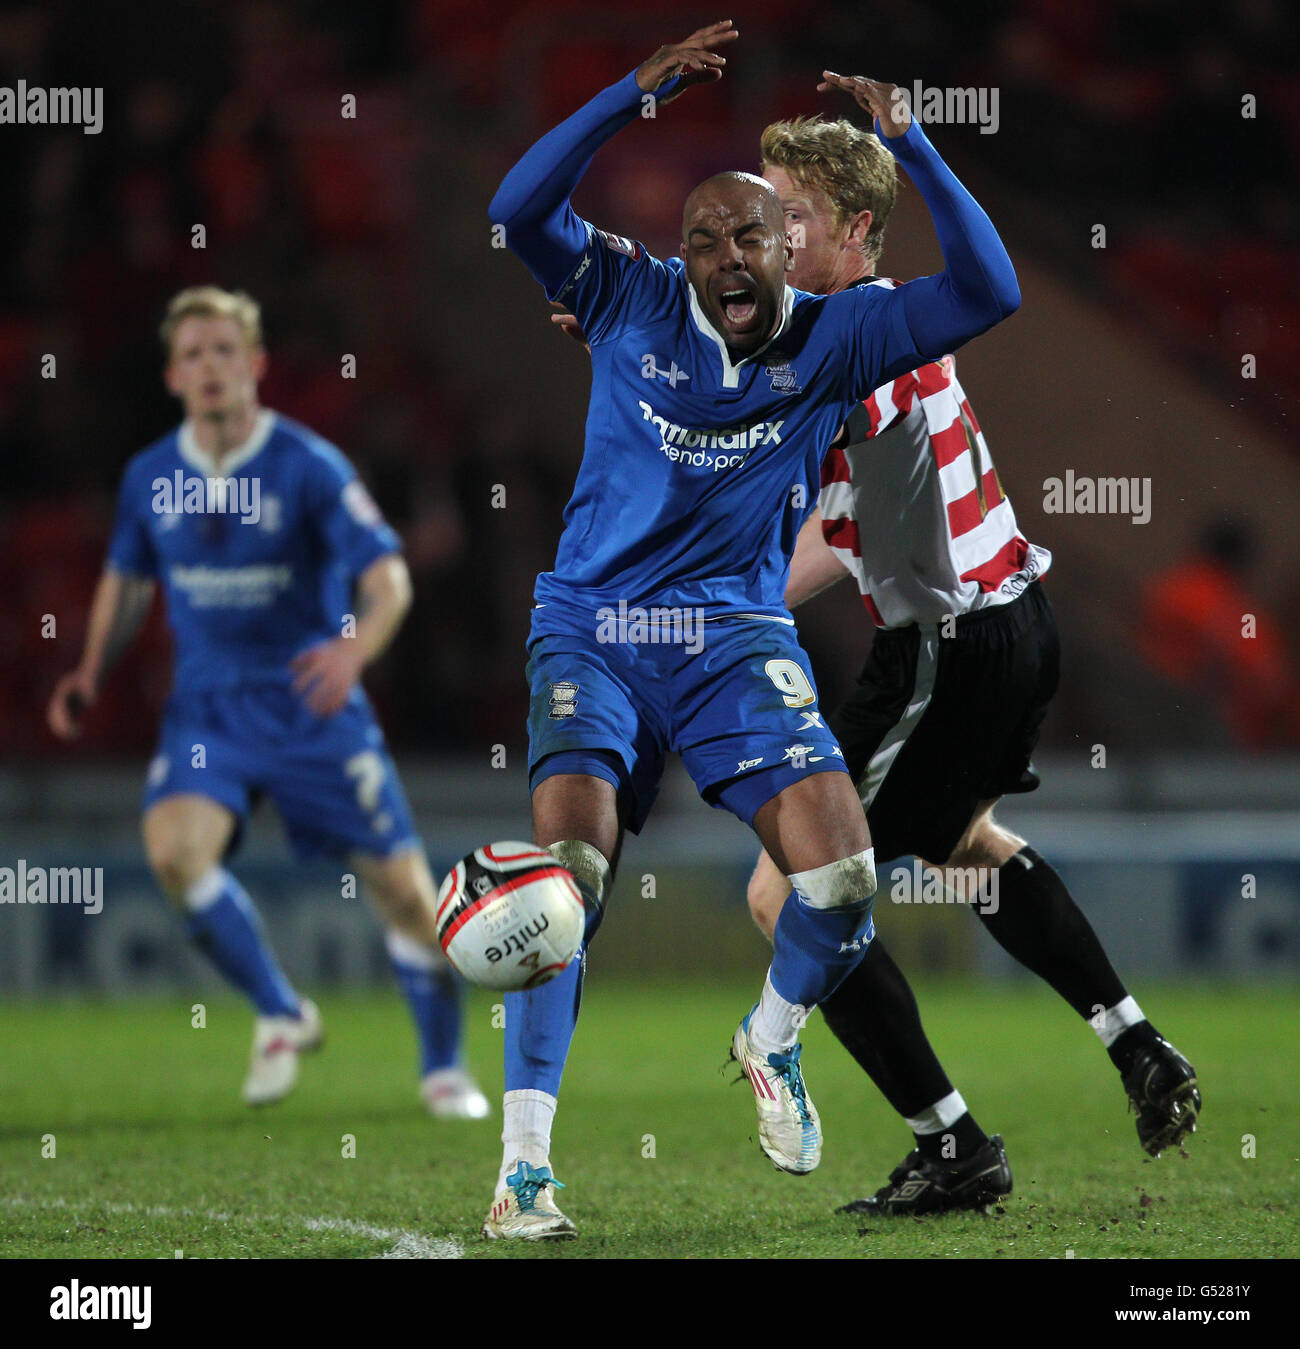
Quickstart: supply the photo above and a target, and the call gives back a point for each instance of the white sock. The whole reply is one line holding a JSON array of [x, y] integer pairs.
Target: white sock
[[943, 1114], [407, 951], [1116, 1020], [775, 1025], [204, 893], [525, 1131]]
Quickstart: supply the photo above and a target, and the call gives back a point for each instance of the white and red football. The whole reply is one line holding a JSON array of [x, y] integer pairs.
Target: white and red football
[[510, 917]]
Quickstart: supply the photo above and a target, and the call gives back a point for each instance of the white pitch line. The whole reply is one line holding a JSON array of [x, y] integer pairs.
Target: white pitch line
[[405, 1245]]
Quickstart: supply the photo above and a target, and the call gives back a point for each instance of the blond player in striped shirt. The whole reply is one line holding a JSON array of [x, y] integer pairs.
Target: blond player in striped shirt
[[947, 711]]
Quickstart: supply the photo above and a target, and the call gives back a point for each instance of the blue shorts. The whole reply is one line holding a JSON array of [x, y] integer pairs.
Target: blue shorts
[[737, 701], [331, 779]]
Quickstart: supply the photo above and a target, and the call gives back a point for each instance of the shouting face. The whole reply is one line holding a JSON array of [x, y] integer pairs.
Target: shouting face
[[737, 255]]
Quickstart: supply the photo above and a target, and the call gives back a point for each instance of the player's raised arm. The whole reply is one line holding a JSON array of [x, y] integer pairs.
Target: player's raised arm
[[977, 287], [532, 203]]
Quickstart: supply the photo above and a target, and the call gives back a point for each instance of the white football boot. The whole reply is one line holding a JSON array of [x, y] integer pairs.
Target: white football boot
[[789, 1131], [525, 1210], [277, 1042], [451, 1093]]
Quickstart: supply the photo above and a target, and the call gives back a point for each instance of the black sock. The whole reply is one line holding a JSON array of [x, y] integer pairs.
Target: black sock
[[1132, 1041], [1044, 929], [962, 1137], [874, 1015]]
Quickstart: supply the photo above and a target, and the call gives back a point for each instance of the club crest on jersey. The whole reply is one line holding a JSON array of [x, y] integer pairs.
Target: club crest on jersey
[[564, 699], [784, 377], [617, 244]]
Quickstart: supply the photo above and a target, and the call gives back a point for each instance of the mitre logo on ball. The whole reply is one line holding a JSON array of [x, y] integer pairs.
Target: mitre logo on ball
[[510, 917]]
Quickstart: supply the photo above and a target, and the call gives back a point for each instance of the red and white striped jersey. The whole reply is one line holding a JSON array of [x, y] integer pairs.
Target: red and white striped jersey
[[912, 505]]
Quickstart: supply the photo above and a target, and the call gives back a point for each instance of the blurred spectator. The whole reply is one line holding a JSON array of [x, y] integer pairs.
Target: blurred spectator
[[1201, 628]]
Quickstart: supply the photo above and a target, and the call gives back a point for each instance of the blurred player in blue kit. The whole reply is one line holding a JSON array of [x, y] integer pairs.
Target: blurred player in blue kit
[[282, 583], [716, 389]]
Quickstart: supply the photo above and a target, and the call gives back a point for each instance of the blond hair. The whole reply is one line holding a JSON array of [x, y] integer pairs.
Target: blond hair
[[848, 164], [211, 302]]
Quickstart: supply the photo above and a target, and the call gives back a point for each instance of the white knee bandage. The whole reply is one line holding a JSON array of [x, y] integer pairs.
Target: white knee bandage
[[846, 884]]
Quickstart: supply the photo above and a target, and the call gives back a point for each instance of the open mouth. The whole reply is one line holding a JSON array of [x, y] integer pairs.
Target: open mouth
[[739, 307]]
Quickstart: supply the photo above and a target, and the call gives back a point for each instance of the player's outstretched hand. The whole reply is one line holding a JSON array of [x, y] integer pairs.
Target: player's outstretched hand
[[885, 102], [694, 60], [72, 695], [569, 325], [325, 675]]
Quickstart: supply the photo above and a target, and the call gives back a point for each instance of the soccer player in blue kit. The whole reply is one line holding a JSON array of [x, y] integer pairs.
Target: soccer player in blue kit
[[282, 583], [715, 388]]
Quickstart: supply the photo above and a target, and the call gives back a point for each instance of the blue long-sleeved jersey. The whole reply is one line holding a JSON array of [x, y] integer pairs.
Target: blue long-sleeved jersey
[[699, 470]]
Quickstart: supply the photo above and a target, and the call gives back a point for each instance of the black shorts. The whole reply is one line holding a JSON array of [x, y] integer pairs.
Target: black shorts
[[937, 724]]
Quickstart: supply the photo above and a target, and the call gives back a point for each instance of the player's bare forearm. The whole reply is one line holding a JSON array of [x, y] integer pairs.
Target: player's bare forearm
[[814, 566], [383, 598], [117, 613]]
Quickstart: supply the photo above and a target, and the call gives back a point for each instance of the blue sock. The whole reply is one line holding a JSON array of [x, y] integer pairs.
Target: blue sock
[[595, 914], [432, 992], [539, 1030], [225, 926], [815, 950]]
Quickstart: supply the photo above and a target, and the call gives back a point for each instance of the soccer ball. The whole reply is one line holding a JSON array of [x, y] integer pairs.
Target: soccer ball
[[510, 917]]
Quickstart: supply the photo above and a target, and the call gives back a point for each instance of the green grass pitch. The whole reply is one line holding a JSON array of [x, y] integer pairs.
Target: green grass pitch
[[153, 1153]]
